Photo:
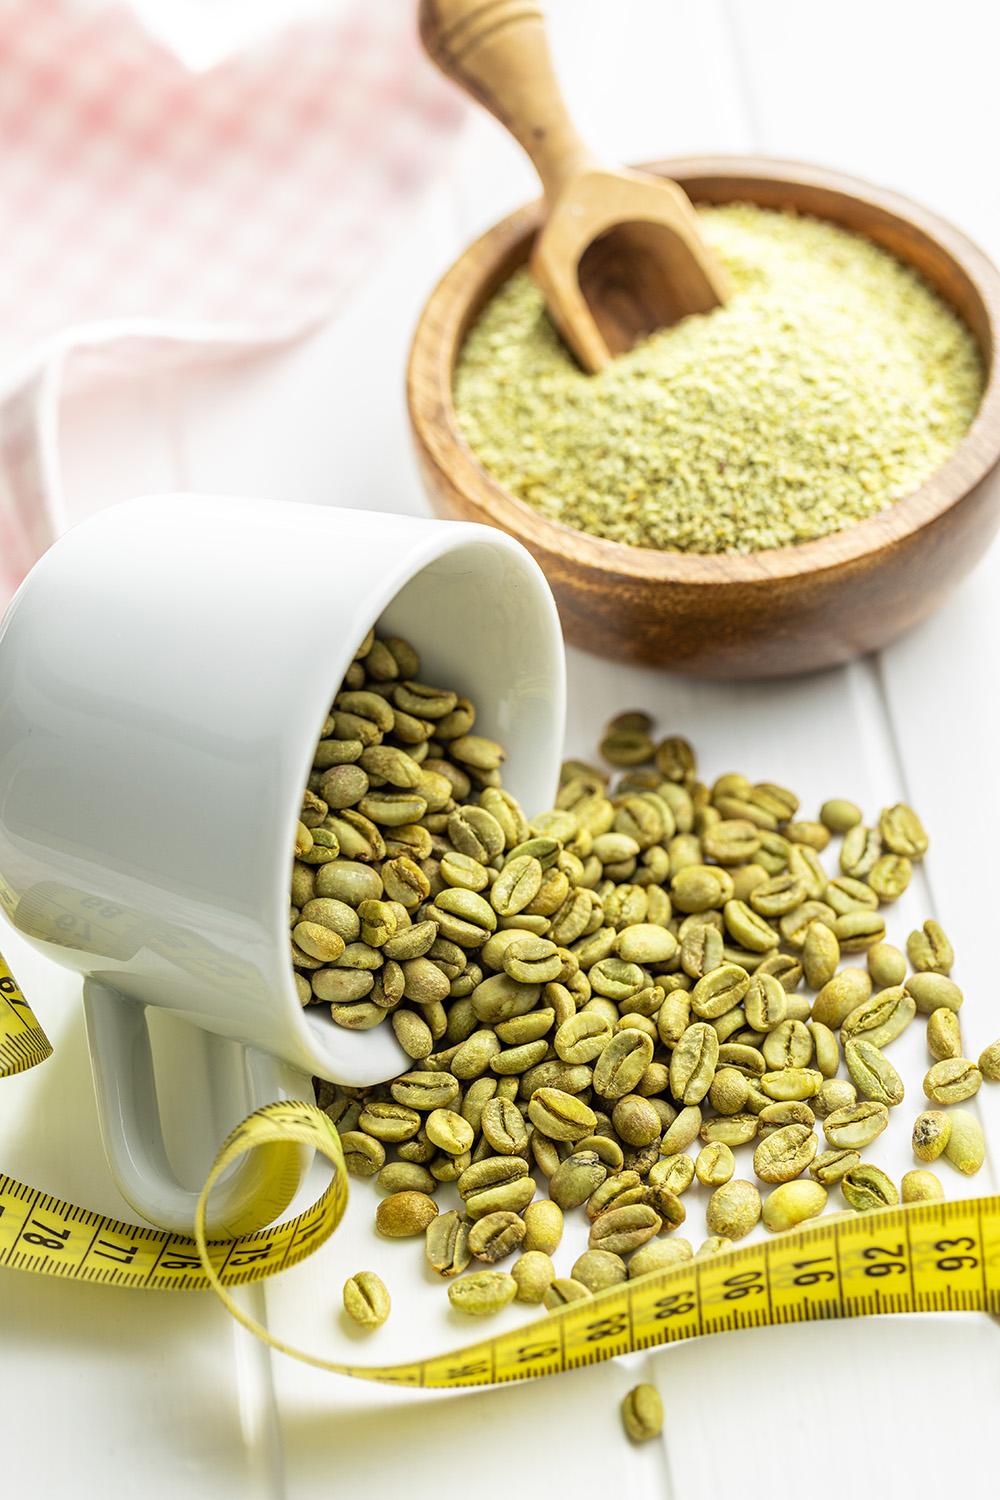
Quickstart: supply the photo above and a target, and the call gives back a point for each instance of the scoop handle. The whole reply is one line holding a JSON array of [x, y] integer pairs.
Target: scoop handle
[[498, 52]]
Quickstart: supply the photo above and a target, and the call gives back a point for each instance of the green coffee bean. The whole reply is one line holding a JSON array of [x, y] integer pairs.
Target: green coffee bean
[[791, 1083], [727, 1092], [719, 991], [544, 1226], [785, 1153], [406, 1176], [502, 1125], [675, 1173], [635, 1121], [856, 1125], [765, 1003], [930, 1134], [622, 1063], [861, 848], [890, 876], [363, 1154], [820, 955], [561, 1116], [692, 1063], [731, 841], [563, 1291], [716, 1244], [826, 1048], [449, 1131], [366, 1300], [796, 923], [846, 895], [839, 815], [747, 1060], [989, 1062], [425, 1091], [920, 1187], [642, 1413], [747, 928], [929, 950], [952, 1080], [858, 930], [840, 995], [733, 1209], [496, 1235], [814, 835], [576, 1178], [965, 1147], [872, 1072], [482, 1293], [788, 1045], [881, 1018], [886, 965], [902, 832], [387, 1121], [866, 1187], [932, 990], [659, 1255], [621, 1230], [533, 1273], [402, 1215], [608, 1151], [715, 1164], [599, 1269], [944, 1034], [730, 1130], [830, 1166], [834, 1094], [792, 1203]]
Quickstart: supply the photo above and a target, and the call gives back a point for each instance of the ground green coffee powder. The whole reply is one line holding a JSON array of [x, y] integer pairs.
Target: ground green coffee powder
[[831, 384]]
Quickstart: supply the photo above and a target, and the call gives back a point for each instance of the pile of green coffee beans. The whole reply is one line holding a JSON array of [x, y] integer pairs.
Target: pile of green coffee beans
[[607, 996]]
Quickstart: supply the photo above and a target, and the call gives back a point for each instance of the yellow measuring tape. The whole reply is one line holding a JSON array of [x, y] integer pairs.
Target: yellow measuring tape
[[930, 1257]]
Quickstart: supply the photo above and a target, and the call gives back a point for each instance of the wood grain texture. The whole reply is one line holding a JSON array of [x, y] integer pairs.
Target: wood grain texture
[[767, 613], [620, 253]]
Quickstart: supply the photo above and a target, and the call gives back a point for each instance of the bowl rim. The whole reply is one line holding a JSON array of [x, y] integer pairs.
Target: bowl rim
[[446, 316]]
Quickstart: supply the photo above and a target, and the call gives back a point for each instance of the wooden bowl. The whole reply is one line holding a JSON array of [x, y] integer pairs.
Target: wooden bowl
[[762, 614]]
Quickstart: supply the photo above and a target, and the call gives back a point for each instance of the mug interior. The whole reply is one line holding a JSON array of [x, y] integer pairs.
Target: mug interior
[[484, 626]]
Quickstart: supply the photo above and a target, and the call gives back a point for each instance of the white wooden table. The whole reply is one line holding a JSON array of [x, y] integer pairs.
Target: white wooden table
[[160, 1396]]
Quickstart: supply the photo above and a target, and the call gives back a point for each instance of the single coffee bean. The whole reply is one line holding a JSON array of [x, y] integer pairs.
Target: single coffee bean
[[642, 1413], [366, 1300], [785, 1153], [482, 1293], [920, 1187], [966, 1145], [733, 1209], [930, 1134], [496, 1235], [404, 1214], [873, 1073], [599, 1269], [951, 1081], [867, 1187], [857, 1125], [533, 1273], [792, 1203], [944, 1034]]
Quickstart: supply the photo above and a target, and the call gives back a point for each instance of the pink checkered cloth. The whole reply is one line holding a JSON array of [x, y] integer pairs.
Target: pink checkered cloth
[[149, 213]]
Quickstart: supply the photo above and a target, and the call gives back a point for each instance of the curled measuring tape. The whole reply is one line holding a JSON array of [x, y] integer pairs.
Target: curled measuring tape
[[929, 1257]]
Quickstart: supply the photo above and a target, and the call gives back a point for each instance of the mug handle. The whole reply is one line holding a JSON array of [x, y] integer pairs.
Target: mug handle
[[250, 1194]]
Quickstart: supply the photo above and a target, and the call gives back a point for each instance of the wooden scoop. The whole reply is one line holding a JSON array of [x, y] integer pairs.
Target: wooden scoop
[[621, 252]]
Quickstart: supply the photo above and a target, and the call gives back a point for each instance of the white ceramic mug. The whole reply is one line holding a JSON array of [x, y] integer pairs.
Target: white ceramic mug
[[164, 673]]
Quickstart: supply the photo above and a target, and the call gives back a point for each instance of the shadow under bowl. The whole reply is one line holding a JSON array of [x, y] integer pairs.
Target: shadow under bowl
[[761, 614]]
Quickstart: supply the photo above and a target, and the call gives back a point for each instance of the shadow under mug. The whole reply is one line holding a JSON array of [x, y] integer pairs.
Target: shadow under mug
[[165, 670]]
